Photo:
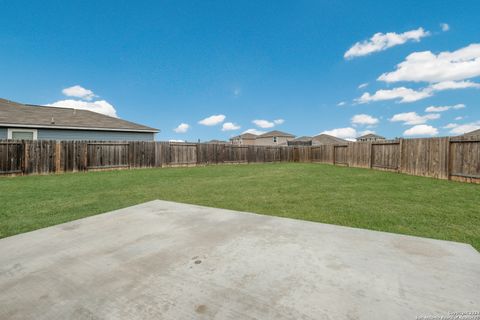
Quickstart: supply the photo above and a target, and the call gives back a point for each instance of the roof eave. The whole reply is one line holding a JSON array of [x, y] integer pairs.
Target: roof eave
[[21, 125]]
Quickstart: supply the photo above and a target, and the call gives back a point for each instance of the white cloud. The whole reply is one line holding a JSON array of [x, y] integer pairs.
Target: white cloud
[[402, 93], [278, 121], [79, 92], [444, 108], [212, 120], [341, 103], [229, 126], [411, 118], [411, 95], [421, 130], [362, 133], [100, 106], [458, 118], [451, 85], [437, 109], [254, 131], [445, 27], [364, 119], [450, 126], [237, 92], [344, 133], [363, 85], [464, 128], [263, 124], [425, 66], [174, 140], [182, 128], [382, 41]]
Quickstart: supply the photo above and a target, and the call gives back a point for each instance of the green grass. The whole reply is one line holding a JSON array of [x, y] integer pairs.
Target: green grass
[[345, 196]]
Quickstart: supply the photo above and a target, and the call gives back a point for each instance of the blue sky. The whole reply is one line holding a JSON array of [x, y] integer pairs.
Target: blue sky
[[167, 63]]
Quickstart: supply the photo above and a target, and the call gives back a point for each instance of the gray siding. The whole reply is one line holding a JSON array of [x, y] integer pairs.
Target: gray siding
[[54, 134], [59, 134]]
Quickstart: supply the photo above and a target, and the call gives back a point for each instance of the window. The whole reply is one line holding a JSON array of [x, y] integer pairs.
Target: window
[[22, 134], [275, 139]]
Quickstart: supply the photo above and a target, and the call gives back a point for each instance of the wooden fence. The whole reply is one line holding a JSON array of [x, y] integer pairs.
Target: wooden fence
[[443, 158]]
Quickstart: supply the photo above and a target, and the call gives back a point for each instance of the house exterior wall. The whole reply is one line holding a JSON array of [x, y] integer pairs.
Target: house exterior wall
[[300, 143], [323, 141], [370, 139], [268, 141], [241, 141], [62, 134]]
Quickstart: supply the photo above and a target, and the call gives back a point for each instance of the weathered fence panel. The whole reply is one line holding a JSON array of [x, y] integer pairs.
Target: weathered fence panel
[[425, 157], [40, 157], [11, 161], [322, 153], [359, 154], [444, 158], [464, 159], [385, 155], [183, 154], [235, 154], [340, 154], [107, 155]]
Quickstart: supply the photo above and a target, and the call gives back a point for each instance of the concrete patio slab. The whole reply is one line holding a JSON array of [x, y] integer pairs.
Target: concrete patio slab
[[165, 260]]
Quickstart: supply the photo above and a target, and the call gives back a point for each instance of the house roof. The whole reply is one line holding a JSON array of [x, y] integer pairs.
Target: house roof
[[303, 138], [14, 114], [275, 133], [327, 139], [370, 135], [246, 135], [473, 133]]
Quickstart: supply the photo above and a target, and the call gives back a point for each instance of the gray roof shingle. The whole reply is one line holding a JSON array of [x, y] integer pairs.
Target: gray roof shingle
[[370, 135], [275, 133], [327, 139], [17, 114]]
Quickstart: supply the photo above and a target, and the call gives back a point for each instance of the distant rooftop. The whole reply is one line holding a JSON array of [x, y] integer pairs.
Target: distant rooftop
[[327, 139], [16, 114], [246, 135], [303, 138], [275, 133], [370, 136], [473, 133]]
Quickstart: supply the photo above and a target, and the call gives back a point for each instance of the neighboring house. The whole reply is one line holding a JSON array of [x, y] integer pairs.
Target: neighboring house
[[244, 139], [216, 142], [323, 139], [473, 133], [274, 138], [20, 121], [301, 141], [370, 137]]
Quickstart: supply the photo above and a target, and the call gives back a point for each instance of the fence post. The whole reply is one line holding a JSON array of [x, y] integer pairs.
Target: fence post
[[333, 154], [449, 162], [85, 156], [58, 156], [370, 154], [25, 156], [400, 155]]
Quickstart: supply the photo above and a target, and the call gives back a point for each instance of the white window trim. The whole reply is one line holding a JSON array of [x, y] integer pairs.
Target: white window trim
[[10, 132]]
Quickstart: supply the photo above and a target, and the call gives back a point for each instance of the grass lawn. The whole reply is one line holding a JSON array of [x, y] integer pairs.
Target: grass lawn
[[345, 196]]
